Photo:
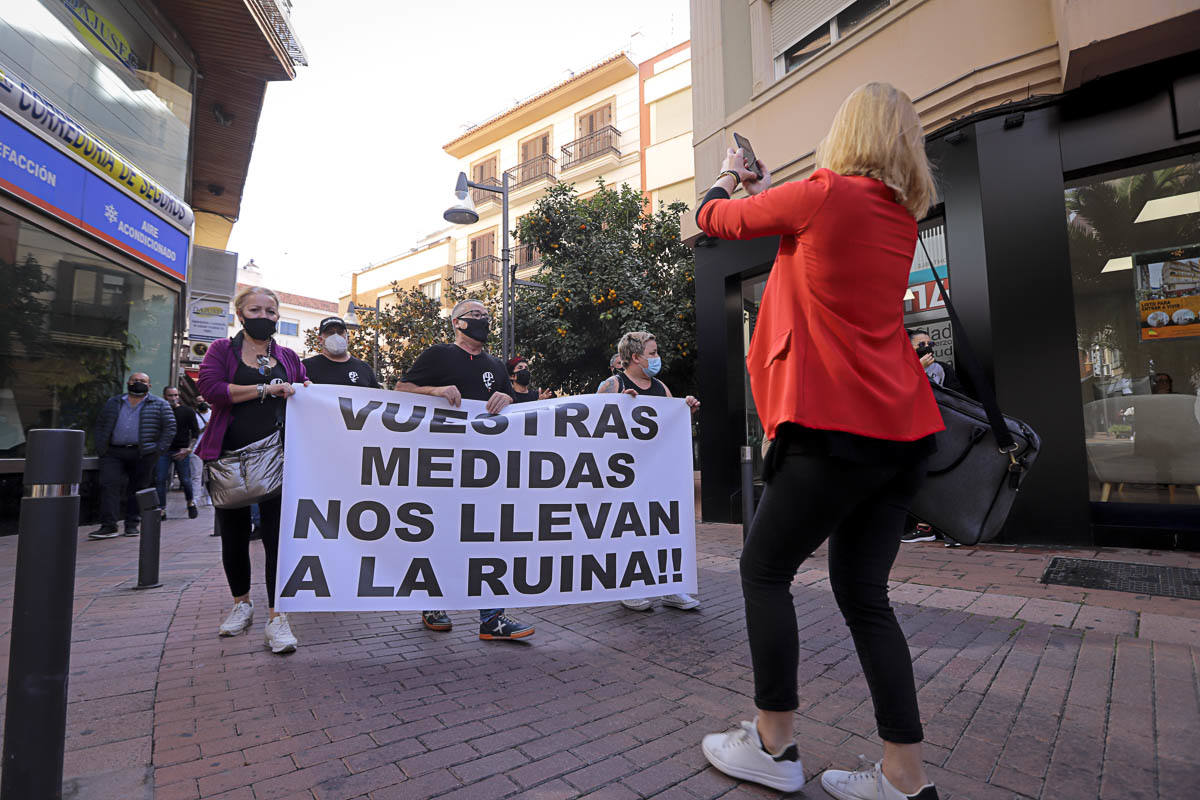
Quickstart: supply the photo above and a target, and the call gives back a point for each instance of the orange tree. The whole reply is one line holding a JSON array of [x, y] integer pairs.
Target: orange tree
[[609, 265]]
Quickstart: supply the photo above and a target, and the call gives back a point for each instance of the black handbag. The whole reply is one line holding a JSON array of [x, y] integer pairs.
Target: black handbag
[[982, 457]]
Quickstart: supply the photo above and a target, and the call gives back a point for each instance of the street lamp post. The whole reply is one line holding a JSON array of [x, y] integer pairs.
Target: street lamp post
[[463, 212], [352, 311]]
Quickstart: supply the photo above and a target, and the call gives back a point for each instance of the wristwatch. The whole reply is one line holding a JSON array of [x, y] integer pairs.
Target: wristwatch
[[736, 178]]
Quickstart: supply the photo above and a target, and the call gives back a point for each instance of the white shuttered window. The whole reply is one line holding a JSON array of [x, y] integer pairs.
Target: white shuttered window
[[792, 20]]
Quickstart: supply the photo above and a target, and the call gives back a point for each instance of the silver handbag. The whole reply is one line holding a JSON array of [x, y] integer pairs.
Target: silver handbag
[[248, 475]]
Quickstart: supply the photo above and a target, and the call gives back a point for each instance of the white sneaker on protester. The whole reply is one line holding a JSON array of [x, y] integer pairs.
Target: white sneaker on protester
[[238, 620], [681, 601], [638, 603], [739, 753], [869, 784], [279, 635]]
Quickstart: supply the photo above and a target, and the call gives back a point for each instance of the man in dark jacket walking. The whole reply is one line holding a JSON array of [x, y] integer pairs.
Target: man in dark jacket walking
[[130, 433]]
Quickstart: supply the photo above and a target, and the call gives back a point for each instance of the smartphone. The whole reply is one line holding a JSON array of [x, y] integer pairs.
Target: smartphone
[[752, 164]]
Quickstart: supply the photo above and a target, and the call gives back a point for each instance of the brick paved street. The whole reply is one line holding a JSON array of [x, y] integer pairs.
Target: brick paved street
[[1027, 691]]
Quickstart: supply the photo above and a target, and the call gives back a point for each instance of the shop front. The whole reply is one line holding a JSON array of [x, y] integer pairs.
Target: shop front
[[94, 240], [1069, 227]]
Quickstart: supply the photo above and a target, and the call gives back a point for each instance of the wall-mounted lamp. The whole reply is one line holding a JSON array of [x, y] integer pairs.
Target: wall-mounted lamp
[[223, 117]]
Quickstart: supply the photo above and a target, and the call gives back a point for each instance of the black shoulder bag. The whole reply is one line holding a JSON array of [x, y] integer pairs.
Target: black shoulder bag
[[982, 457]]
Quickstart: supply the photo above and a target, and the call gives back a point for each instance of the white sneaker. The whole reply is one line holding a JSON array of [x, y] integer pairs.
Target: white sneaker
[[238, 620], [279, 635], [682, 601], [740, 754], [869, 784], [638, 604]]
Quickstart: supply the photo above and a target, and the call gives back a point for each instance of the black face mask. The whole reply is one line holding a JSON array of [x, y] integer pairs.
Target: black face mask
[[616, 370], [259, 328], [522, 378], [203, 407], [139, 388], [477, 329], [924, 350]]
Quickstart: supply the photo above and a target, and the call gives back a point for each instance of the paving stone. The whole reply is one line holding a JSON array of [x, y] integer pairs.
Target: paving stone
[[997, 605], [1049, 612], [1165, 628], [1107, 620]]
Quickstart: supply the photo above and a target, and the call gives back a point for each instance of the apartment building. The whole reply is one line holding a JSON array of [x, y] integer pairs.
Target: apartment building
[[1065, 136], [617, 120]]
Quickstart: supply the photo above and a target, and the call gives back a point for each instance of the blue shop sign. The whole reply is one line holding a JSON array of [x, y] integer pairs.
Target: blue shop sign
[[39, 174]]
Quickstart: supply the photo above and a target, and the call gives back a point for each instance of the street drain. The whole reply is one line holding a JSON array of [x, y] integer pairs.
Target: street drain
[[1124, 576]]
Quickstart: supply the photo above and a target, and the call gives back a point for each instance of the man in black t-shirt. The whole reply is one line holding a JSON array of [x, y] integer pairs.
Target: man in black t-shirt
[[334, 364], [456, 371]]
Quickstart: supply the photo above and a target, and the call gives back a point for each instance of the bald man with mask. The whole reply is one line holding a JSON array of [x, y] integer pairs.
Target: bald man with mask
[[132, 430]]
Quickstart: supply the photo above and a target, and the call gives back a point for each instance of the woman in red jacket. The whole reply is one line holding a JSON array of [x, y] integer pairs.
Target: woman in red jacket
[[851, 417]]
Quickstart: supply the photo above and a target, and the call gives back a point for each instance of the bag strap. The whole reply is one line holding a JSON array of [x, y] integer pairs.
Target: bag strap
[[979, 379]]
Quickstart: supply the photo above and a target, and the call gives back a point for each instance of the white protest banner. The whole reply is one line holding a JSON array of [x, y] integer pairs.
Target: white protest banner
[[396, 501]]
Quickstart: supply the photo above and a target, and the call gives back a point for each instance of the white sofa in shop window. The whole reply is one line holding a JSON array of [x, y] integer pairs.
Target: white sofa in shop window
[[1164, 450]]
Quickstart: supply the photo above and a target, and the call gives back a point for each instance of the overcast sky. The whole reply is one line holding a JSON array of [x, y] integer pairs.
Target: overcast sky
[[348, 167]]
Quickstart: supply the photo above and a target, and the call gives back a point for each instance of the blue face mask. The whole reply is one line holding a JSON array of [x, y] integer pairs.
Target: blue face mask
[[653, 365]]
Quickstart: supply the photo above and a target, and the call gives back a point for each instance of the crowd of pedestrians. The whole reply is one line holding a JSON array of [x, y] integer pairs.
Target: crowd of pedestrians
[[843, 391]]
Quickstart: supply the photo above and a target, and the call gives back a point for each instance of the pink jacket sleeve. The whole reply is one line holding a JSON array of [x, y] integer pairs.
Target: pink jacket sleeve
[[782, 210], [212, 381]]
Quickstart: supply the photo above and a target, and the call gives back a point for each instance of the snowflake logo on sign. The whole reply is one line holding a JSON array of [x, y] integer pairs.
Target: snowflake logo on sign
[[111, 212]]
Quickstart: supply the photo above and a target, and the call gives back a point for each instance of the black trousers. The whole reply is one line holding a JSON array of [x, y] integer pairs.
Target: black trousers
[[234, 526], [858, 508], [123, 471]]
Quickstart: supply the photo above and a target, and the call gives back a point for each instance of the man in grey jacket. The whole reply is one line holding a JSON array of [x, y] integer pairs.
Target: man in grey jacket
[[130, 433]]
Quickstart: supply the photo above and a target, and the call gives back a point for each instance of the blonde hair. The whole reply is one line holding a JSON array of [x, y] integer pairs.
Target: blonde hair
[[877, 133], [633, 344], [245, 294]]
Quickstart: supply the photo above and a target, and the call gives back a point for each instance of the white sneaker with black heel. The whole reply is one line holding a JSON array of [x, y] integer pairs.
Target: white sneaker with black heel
[[739, 753], [869, 784]]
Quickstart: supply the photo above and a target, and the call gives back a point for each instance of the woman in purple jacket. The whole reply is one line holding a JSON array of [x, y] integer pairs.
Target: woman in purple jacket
[[246, 380]]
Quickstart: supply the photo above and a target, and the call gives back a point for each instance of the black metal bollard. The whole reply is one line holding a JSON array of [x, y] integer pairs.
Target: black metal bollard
[[147, 500], [35, 718], [747, 489]]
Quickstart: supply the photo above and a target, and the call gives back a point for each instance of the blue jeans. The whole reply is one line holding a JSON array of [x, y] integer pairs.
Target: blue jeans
[[487, 613], [183, 467]]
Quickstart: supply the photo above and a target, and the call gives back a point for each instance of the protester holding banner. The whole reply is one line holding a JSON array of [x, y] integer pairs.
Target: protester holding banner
[[522, 382], [844, 398], [638, 351], [247, 379], [456, 371], [334, 364]]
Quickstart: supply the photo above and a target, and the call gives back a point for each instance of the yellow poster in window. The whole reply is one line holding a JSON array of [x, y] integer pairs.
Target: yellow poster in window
[[1168, 293]]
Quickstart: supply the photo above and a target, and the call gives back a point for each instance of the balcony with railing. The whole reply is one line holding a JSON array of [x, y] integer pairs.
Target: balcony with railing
[[529, 173], [482, 197], [477, 270], [601, 142], [526, 255]]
